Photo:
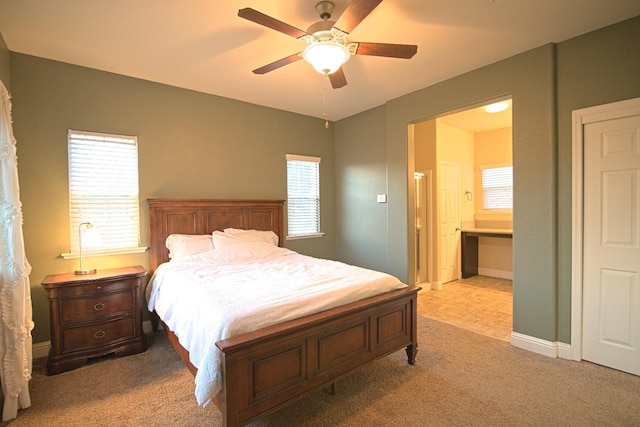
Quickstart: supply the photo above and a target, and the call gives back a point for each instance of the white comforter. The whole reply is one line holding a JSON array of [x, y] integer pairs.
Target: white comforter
[[240, 288]]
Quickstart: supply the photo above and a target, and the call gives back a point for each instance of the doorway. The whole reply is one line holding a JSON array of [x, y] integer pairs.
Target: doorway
[[446, 147]]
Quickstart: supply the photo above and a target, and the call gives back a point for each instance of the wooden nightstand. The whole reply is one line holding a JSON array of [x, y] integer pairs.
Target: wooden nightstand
[[94, 315]]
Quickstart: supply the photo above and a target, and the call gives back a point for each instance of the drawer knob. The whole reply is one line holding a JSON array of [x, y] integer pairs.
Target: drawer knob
[[100, 334], [99, 287], [99, 306]]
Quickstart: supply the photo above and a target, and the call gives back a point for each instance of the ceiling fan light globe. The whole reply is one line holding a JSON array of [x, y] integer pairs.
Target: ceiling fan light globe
[[326, 57]]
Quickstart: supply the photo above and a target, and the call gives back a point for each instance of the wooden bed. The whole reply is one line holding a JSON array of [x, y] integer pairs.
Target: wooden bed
[[268, 369]]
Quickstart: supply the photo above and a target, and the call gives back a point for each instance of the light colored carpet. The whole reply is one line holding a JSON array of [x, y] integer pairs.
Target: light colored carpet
[[460, 379]]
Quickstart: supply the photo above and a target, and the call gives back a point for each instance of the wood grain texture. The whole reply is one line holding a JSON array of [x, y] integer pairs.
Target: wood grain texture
[[389, 50], [94, 315], [279, 63], [338, 79], [355, 13], [269, 22]]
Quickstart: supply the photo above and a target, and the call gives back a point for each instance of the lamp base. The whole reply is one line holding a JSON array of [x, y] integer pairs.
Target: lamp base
[[88, 271]]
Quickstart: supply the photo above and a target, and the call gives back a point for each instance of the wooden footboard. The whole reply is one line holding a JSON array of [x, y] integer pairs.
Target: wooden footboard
[[270, 368]]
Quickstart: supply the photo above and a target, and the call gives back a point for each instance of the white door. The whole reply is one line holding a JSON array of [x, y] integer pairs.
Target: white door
[[611, 263], [449, 220]]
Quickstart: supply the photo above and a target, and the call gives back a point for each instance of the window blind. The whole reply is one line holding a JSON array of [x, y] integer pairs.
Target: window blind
[[497, 188], [103, 188], [303, 195]]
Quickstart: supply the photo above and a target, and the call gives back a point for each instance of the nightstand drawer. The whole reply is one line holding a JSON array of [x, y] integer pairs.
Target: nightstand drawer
[[99, 306], [94, 314], [102, 334], [95, 288]]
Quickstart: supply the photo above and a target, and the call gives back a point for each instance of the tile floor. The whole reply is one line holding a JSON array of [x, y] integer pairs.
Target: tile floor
[[480, 304]]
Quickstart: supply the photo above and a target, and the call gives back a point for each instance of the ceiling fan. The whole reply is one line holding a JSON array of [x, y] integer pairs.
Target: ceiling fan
[[327, 46]]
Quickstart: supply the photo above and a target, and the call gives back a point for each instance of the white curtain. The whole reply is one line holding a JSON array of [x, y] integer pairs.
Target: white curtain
[[15, 291]]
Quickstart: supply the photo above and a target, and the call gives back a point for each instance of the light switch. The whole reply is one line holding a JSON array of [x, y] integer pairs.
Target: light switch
[[382, 198]]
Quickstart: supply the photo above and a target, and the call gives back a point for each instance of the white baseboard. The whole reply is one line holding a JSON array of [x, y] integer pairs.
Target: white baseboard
[[41, 349], [146, 326], [540, 346], [501, 274], [564, 350], [425, 286]]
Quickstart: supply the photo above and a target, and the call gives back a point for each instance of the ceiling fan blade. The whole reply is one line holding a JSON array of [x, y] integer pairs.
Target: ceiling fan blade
[[279, 63], [338, 79], [267, 21], [355, 14], [404, 51]]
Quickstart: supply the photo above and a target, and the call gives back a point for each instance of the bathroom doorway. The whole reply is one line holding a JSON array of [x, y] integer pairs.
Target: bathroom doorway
[[476, 140]]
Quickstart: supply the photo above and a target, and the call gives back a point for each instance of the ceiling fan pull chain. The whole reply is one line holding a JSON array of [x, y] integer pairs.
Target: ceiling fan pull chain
[[325, 87]]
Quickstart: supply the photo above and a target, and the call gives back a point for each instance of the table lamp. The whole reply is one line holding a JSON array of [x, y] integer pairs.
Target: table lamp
[[88, 237]]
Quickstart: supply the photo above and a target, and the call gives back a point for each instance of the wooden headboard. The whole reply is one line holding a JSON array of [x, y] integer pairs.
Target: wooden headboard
[[204, 216]]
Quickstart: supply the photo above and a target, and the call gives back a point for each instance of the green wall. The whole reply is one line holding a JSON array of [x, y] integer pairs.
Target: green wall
[[361, 174], [545, 84], [5, 64], [190, 145]]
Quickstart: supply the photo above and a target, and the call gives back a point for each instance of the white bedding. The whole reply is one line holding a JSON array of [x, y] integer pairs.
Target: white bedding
[[243, 287]]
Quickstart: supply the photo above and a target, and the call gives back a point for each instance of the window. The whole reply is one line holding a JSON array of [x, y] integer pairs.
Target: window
[[497, 188], [303, 196], [103, 190]]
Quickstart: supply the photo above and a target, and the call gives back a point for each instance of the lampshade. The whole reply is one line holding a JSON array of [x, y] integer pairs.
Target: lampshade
[[326, 57], [88, 237]]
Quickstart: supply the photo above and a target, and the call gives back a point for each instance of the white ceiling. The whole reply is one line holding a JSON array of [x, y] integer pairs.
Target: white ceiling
[[478, 120], [203, 45]]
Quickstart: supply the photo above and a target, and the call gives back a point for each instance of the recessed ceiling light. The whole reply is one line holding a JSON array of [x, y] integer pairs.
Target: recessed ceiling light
[[496, 107]]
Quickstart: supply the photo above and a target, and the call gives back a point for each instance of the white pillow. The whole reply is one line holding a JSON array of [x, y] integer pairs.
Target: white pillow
[[244, 251], [220, 239], [181, 245], [254, 235]]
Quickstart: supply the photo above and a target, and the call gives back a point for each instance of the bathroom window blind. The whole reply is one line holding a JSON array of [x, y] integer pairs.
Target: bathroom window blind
[[497, 188]]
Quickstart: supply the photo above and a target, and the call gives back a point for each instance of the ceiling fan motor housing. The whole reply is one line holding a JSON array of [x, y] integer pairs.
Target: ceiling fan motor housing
[[325, 9], [326, 50], [318, 29]]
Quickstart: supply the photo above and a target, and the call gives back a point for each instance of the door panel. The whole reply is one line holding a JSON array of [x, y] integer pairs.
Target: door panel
[[449, 214], [611, 266]]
